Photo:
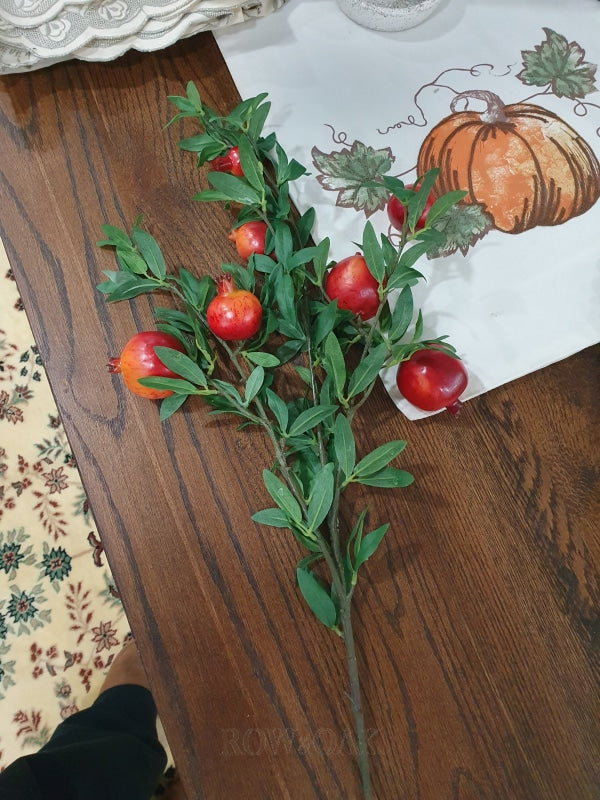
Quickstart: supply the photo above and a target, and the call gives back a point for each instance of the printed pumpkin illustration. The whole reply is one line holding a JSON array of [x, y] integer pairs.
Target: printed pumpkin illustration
[[521, 163]]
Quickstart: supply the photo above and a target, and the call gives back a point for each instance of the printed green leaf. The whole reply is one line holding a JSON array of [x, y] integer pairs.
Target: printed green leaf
[[462, 226], [317, 598], [282, 496], [347, 171], [378, 458], [560, 64]]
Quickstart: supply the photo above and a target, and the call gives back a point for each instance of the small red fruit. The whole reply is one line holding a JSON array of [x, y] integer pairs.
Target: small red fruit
[[138, 360], [249, 238], [234, 314], [230, 162], [396, 211], [432, 380], [352, 285]]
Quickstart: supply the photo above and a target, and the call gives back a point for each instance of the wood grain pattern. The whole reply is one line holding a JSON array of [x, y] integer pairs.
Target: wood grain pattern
[[478, 621]]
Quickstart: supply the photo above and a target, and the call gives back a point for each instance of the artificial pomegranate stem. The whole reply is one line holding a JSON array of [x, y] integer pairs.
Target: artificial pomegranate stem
[[114, 365], [225, 283]]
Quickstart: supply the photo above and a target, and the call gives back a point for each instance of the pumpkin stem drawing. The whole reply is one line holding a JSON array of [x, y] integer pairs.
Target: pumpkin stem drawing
[[522, 164]]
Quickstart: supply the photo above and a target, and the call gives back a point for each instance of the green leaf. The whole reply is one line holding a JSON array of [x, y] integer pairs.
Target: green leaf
[[196, 291], [355, 175], [442, 205], [324, 321], [367, 370], [251, 166], [305, 225], [275, 517], [132, 262], [321, 497], [388, 478], [420, 195], [123, 286], [317, 598], [320, 260], [243, 277], [115, 237], [462, 226], [170, 405], [560, 64], [369, 545], [378, 458], [373, 253], [344, 445], [282, 496], [334, 364], [401, 315], [254, 384], [182, 365], [309, 418], [279, 409], [234, 188], [262, 359], [284, 244], [173, 384]]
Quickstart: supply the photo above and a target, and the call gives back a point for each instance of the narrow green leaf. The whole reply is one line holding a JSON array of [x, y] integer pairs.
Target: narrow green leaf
[[317, 598], [151, 253], [173, 384], [320, 260], [334, 364], [251, 166], [344, 445], [373, 253], [388, 478], [369, 545], [282, 496], [182, 365], [401, 315], [234, 188], [321, 497], [309, 418], [170, 405], [279, 409], [254, 384], [262, 359], [275, 517], [115, 237], [324, 322], [442, 205], [367, 370], [122, 286], [130, 261], [379, 458]]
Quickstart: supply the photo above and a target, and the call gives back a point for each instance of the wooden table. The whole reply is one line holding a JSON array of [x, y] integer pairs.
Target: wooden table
[[477, 622]]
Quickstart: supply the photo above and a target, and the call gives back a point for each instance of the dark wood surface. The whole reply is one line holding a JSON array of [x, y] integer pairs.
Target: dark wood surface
[[477, 622]]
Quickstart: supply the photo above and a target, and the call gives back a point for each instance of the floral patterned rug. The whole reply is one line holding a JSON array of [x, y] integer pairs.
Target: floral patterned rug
[[61, 620]]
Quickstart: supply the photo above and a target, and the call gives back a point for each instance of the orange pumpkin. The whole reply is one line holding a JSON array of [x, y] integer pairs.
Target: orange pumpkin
[[524, 165]]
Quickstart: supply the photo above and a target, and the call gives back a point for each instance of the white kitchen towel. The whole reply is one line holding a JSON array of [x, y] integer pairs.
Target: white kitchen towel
[[347, 100]]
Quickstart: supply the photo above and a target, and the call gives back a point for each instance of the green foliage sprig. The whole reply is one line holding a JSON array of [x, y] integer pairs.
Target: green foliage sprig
[[311, 367]]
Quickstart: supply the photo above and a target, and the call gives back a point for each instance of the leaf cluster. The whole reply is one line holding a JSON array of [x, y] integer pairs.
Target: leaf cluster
[[312, 365]]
